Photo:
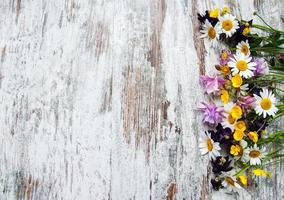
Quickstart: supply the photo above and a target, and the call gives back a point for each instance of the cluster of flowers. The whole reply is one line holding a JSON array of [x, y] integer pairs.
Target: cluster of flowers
[[240, 108]]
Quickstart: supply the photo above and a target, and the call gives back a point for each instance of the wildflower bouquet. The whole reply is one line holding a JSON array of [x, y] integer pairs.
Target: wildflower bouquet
[[246, 97]]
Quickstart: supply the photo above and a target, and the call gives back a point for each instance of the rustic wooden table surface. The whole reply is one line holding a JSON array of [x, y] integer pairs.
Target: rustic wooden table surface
[[98, 99]]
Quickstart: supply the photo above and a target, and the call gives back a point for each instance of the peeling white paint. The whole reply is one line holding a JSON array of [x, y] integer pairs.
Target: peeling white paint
[[63, 66]]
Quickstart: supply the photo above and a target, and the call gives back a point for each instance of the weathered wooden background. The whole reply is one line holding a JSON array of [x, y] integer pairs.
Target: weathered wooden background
[[98, 99]]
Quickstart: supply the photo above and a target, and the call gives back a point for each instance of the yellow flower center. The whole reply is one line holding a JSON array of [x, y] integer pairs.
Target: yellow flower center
[[253, 136], [241, 126], [242, 65], [211, 33], [222, 161], [227, 25], [230, 181], [245, 49], [209, 145], [237, 81], [230, 119], [224, 55], [266, 103], [236, 112], [254, 154], [238, 135], [225, 69]]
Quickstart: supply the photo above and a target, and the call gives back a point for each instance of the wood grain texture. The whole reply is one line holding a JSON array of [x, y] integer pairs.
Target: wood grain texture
[[98, 99]]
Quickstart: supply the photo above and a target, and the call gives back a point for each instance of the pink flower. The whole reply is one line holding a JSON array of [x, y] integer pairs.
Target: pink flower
[[212, 114], [212, 84], [225, 56], [246, 102], [261, 67]]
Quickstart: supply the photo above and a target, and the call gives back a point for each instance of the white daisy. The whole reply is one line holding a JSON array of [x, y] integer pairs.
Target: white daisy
[[265, 103], [242, 64], [243, 144], [253, 155], [228, 24], [210, 32], [229, 121], [243, 47], [243, 89], [207, 145]]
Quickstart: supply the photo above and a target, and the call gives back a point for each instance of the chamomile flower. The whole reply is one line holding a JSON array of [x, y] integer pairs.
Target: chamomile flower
[[253, 155], [228, 121], [207, 145], [243, 47], [210, 32], [241, 64], [265, 103], [228, 24]]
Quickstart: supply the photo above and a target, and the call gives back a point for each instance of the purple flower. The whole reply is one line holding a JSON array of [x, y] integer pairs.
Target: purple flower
[[246, 102], [221, 164], [225, 56], [212, 84], [224, 136], [261, 67], [212, 114]]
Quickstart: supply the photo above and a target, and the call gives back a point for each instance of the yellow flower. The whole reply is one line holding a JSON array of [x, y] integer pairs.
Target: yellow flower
[[238, 135], [225, 96], [236, 112], [240, 125], [260, 172], [243, 179], [214, 13], [253, 136], [235, 149], [225, 10], [246, 31], [237, 81]]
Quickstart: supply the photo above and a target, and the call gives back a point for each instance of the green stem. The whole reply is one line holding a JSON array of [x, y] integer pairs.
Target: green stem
[[255, 13], [268, 49], [242, 170], [268, 28]]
